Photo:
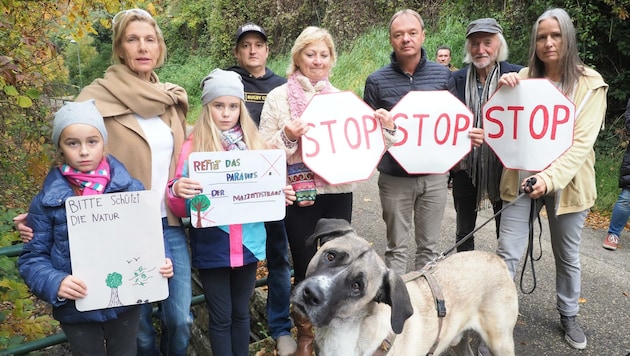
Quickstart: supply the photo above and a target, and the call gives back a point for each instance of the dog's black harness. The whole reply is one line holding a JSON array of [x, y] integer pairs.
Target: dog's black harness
[[440, 306]]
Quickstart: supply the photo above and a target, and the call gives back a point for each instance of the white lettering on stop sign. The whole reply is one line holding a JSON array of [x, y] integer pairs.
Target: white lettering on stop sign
[[529, 126], [344, 142], [433, 131]]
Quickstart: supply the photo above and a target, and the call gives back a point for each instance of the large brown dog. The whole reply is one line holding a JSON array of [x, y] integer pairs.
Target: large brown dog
[[356, 302]]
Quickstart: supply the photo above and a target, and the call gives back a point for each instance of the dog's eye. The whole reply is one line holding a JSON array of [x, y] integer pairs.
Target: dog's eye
[[356, 286], [330, 256]]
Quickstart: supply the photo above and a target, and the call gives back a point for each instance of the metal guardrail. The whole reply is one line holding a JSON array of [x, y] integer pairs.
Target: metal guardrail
[[14, 251]]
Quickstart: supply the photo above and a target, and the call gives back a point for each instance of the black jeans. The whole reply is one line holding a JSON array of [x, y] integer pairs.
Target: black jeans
[[112, 337], [465, 201]]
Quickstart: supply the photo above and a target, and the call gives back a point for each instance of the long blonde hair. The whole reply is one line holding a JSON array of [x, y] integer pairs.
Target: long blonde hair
[[207, 136]]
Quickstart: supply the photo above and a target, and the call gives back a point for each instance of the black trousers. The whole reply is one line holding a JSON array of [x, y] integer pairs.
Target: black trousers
[[300, 224], [465, 201]]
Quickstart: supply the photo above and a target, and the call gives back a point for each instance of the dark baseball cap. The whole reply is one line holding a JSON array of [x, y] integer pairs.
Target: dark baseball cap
[[487, 25], [249, 27]]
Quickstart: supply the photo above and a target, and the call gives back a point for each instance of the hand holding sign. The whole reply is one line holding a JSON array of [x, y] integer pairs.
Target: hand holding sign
[[529, 125]]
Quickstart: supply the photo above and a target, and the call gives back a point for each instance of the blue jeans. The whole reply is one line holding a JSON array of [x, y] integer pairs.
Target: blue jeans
[[566, 235], [620, 213], [278, 280], [174, 312]]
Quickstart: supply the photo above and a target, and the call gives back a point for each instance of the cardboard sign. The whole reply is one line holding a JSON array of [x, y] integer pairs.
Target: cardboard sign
[[117, 248], [529, 126], [238, 187], [433, 131], [345, 142]]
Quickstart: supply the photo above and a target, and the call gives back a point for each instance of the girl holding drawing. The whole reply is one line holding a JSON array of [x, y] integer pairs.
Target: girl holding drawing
[[84, 169], [226, 256]]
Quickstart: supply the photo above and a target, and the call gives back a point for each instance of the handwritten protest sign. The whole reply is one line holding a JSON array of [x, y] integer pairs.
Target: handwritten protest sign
[[433, 131], [529, 126], [345, 142], [238, 187], [117, 248]]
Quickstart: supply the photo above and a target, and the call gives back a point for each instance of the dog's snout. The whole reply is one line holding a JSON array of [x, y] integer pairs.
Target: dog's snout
[[312, 295], [314, 291]]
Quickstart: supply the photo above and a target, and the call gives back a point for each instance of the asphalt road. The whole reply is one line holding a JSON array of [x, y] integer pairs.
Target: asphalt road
[[605, 300]]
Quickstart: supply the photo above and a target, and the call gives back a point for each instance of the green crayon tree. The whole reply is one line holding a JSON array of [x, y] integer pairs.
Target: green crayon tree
[[113, 281]]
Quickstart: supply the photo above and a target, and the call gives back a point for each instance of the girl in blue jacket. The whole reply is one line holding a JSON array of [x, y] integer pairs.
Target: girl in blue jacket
[[80, 136], [226, 256]]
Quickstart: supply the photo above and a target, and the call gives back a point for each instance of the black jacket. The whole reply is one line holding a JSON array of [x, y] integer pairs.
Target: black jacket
[[459, 77], [385, 87], [624, 170], [256, 89]]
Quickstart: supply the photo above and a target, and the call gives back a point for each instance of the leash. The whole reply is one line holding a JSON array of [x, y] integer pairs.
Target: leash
[[444, 253], [530, 247]]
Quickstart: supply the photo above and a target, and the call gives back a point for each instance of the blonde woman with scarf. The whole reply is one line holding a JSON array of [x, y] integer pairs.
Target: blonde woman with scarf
[[146, 122], [312, 58]]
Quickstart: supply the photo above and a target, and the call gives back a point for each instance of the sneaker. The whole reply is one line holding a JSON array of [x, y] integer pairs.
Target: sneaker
[[572, 332], [611, 242], [483, 349], [285, 345]]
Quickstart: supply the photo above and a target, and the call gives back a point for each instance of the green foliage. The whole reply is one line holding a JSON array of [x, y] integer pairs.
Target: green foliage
[[19, 320]]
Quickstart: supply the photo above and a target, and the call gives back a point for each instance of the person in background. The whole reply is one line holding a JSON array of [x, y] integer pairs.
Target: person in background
[[226, 256], [621, 210], [477, 176], [251, 51], [405, 196], [312, 58], [84, 168], [443, 56], [567, 187], [146, 122]]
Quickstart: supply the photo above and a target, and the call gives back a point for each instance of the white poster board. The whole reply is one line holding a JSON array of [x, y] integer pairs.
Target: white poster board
[[117, 248], [238, 187]]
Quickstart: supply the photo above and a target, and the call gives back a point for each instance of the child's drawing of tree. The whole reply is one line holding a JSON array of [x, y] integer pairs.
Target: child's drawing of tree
[[113, 281], [199, 204]]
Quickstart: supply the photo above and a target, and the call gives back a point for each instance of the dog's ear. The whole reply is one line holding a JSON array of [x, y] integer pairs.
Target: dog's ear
[[394, 293], [328, 229]]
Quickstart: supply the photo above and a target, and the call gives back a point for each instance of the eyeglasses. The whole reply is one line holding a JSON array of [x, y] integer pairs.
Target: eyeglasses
[[140, 12]]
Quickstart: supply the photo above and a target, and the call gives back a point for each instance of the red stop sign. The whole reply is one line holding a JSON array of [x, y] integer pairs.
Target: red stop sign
[[345, 142], [433, 131], [530, 125]]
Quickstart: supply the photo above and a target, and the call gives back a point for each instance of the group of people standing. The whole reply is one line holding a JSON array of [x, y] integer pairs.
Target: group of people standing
[[249, 107]]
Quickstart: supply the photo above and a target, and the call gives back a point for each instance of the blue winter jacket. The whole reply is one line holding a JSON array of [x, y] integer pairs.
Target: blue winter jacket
[[45, 260], [385, 87]]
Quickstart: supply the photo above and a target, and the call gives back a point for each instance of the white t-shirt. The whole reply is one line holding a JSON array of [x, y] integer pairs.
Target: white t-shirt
[[160, 139]]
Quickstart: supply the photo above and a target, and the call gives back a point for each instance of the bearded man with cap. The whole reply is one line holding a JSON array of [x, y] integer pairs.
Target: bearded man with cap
[[251, 51], [477, 176]]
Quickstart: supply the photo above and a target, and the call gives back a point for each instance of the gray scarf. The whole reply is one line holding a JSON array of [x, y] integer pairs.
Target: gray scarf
[[481, 164]]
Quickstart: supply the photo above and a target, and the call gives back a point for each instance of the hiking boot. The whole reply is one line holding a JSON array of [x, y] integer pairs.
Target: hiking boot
[[611, 242], [483, 349], [572, 332]]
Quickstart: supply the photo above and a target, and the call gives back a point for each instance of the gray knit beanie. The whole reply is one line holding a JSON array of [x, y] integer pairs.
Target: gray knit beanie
[[84, 112], [221, 83]]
